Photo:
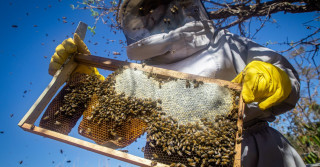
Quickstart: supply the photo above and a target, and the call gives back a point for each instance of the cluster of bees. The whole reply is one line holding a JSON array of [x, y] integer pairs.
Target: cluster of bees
[[204, 143], [195, 83], [118, 108], [76, 96], [111, 106]]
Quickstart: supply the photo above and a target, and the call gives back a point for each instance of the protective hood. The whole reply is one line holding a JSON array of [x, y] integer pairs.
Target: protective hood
[[174, 46], [142, 18]]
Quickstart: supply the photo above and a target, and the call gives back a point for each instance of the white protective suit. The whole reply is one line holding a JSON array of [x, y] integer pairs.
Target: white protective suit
[[195, 46]]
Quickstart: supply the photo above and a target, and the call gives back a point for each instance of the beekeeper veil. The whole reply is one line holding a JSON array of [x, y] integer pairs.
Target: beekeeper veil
[[159, 24]]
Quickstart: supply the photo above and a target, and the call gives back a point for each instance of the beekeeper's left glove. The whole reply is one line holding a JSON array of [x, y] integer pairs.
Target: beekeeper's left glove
[[263, 83], [68, 47]]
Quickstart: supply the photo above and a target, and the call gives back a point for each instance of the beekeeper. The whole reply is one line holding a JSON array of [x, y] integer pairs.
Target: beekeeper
[[178, 35]]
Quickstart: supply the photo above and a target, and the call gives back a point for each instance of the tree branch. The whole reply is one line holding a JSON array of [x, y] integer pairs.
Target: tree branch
[[262, 9]]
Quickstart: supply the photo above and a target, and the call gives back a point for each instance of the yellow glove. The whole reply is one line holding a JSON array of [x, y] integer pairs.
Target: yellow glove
[[64, 50], [263, 83]]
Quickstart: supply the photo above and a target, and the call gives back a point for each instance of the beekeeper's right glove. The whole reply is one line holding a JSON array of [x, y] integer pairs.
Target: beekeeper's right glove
[[65, 49]]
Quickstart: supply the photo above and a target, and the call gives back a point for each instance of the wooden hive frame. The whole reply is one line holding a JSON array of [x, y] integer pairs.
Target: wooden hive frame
[[62, 75]]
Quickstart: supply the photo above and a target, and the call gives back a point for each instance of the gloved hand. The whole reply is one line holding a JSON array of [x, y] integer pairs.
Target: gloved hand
[[263, 83], [64, 50]]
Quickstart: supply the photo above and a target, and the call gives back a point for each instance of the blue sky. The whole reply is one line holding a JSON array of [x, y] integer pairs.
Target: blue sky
[[25, 53]]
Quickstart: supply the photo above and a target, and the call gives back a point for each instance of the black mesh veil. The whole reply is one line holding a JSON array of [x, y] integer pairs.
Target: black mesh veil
[[142, 18]]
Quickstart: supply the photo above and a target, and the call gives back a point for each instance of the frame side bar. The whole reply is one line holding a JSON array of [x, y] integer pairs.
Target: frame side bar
[[237, 157], [57, 81]]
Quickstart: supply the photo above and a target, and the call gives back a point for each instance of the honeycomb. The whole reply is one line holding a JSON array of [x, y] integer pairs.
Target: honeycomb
[[188, 122], [186, 100]]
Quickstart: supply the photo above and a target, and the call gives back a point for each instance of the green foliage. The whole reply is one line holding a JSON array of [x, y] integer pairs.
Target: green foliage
[[92, 29], [86, 2], [311, 158], [315, 107], [313, 139], [114, 2], [94, 13], [74, 7]]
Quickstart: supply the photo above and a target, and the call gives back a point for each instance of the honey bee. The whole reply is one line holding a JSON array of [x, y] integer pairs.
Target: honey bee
[[187, 152], [239, 140], [196, 85], [175, 7], [45, 118], [204, 156], [217, 156], [210, 152], [119, 139], [125, 151], [56, 113], [224, 149], [150, 144], [153, 163], [100, 121], [88, 131], [188, 84], [173, 165], [172, 10], [32, 127], [193, 164], [158, 142], [57, 123], [239, 133], [183, 165], [224, 163], [225, 157], [196, 159], [144, 64], [155, 155], [113, 133], [218, 162], [168, 152]]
